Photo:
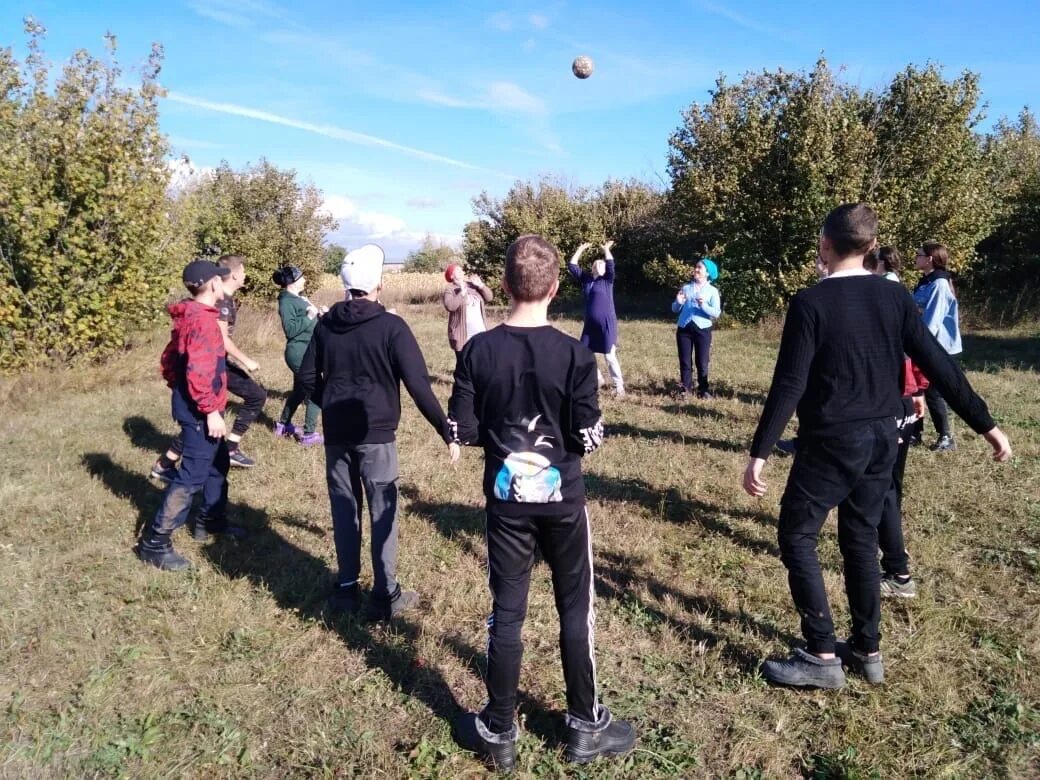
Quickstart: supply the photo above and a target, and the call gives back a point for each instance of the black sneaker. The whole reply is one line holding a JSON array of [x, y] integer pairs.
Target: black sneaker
[[240, 459], [869, 667], [165, 558], [896, 587], [204, 526], [705, 395], [344, 600], [944, 443], [381, 608], [498, 751], [805, 670], [586, 741]]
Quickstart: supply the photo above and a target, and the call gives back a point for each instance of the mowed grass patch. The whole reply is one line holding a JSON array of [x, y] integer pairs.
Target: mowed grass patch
[[113, 668]]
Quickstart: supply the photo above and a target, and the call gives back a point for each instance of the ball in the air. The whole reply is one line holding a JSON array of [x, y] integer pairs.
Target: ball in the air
[[582, 67]]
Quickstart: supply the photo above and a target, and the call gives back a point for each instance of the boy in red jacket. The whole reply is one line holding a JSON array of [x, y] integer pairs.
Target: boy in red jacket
[[194, 365]]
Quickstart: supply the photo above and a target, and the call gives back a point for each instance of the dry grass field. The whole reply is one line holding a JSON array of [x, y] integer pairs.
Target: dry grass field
[[112, 668]]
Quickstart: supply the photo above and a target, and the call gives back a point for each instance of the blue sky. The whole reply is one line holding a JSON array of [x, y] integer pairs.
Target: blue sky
[[401, 112]]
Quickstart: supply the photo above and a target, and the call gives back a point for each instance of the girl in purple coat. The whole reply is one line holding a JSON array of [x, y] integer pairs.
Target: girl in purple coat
[[600, 333]]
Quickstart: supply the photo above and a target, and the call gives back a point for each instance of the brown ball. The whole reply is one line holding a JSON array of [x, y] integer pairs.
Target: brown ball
[[582, 67]]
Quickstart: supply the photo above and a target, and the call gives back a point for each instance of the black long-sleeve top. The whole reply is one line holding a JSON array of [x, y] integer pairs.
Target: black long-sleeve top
[[841, 362], [353, 369], [528, 397]]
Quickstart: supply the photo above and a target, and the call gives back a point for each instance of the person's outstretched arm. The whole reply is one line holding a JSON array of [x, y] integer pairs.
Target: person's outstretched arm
[[609, 273], [944, 373], [410, 366], [572, 265]]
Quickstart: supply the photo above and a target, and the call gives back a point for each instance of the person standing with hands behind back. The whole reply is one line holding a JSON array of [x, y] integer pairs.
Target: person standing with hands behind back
[[464, 299], [698, 304]]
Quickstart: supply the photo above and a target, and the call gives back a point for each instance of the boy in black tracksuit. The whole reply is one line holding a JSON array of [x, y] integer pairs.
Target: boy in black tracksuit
[[353, 369], [841, 363], [526, 393]]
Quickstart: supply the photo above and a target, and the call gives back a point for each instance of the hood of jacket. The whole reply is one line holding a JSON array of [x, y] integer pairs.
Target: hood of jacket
[[938, 273], [187, 310], [347, 315]]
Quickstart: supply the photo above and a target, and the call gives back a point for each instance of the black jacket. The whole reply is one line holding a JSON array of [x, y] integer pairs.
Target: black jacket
[[353, 369]]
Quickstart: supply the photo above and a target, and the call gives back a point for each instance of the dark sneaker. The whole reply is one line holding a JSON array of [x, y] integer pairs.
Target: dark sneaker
[[284, 430], [165, 558], [893, 587], [705, 395], [239, 458], [312, 439], [381, 608], [944, 444], [869, 667], [344, 600], [915, 439], [163, 475], [586, 741], [498, 751], [204, 526], [787, 446], [805, 670]]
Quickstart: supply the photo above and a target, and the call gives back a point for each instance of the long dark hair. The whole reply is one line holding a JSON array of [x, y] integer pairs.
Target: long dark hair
[[888, 257]]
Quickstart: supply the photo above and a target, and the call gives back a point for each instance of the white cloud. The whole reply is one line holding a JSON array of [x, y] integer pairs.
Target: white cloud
[[236, 13], [357, 226], [507, 96], [184, 174], [501, 21], [329, 131], [538, 21], [424, 203]]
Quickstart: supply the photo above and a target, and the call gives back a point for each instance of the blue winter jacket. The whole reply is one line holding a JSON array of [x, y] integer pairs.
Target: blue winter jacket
[[938, 304]]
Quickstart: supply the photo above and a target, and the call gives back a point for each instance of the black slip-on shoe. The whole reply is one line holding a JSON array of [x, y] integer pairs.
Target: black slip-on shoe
[[804, 670]]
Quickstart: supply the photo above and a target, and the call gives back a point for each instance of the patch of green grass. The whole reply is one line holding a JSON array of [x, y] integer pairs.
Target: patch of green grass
[[115, 669]]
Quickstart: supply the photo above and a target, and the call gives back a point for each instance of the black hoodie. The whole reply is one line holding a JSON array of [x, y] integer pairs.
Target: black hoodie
[[353, 369]]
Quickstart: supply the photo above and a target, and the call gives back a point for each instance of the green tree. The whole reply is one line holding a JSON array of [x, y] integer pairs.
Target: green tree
[[82, 183], [333, 258], [261, 212], [755, 170], [432, 256]]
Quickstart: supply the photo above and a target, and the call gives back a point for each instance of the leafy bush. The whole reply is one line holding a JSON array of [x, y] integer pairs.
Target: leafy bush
[[82, 181], [432, 257]]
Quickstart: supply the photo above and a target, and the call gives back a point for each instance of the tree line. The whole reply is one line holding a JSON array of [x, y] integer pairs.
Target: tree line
[[93, 226]]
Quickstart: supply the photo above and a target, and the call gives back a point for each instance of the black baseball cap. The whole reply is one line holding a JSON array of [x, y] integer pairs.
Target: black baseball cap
[[198, 272]]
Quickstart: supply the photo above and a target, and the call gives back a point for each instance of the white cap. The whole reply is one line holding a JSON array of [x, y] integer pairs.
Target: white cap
[[362, 269]]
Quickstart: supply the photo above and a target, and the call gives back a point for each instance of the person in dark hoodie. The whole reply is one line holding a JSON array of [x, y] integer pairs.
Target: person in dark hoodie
[[353, 369], [194, 365]]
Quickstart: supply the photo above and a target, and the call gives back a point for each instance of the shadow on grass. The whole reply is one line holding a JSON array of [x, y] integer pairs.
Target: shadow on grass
[[992, 353], [672, 506], [143, 434], [675, 437], [617, 578], [461, 524], [299, 582]]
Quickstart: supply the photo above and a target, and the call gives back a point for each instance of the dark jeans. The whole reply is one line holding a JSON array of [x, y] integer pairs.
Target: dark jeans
[[204, 467], [894, 559], [691, 340], [938, 410], [349, 469], [566, 545], [253, 397], [298, 396], [852, 472]]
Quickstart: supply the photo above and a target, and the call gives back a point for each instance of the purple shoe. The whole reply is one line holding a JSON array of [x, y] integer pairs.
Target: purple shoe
[[311, 439], [284, 430]]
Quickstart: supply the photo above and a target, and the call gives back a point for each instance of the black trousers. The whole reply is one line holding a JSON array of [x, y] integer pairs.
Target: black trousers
[[852, 472], [253, 396], [566, 544], [894, 559], [691, 340], [938, 410]]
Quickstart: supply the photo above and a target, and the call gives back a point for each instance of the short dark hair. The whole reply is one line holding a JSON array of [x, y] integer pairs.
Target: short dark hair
[[889, 258], [851, 228], [938, 253], [870, 260], [231, 261], [532, 265]]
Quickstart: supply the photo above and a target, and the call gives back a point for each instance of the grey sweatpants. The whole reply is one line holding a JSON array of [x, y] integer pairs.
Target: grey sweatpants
[[373, 468]]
